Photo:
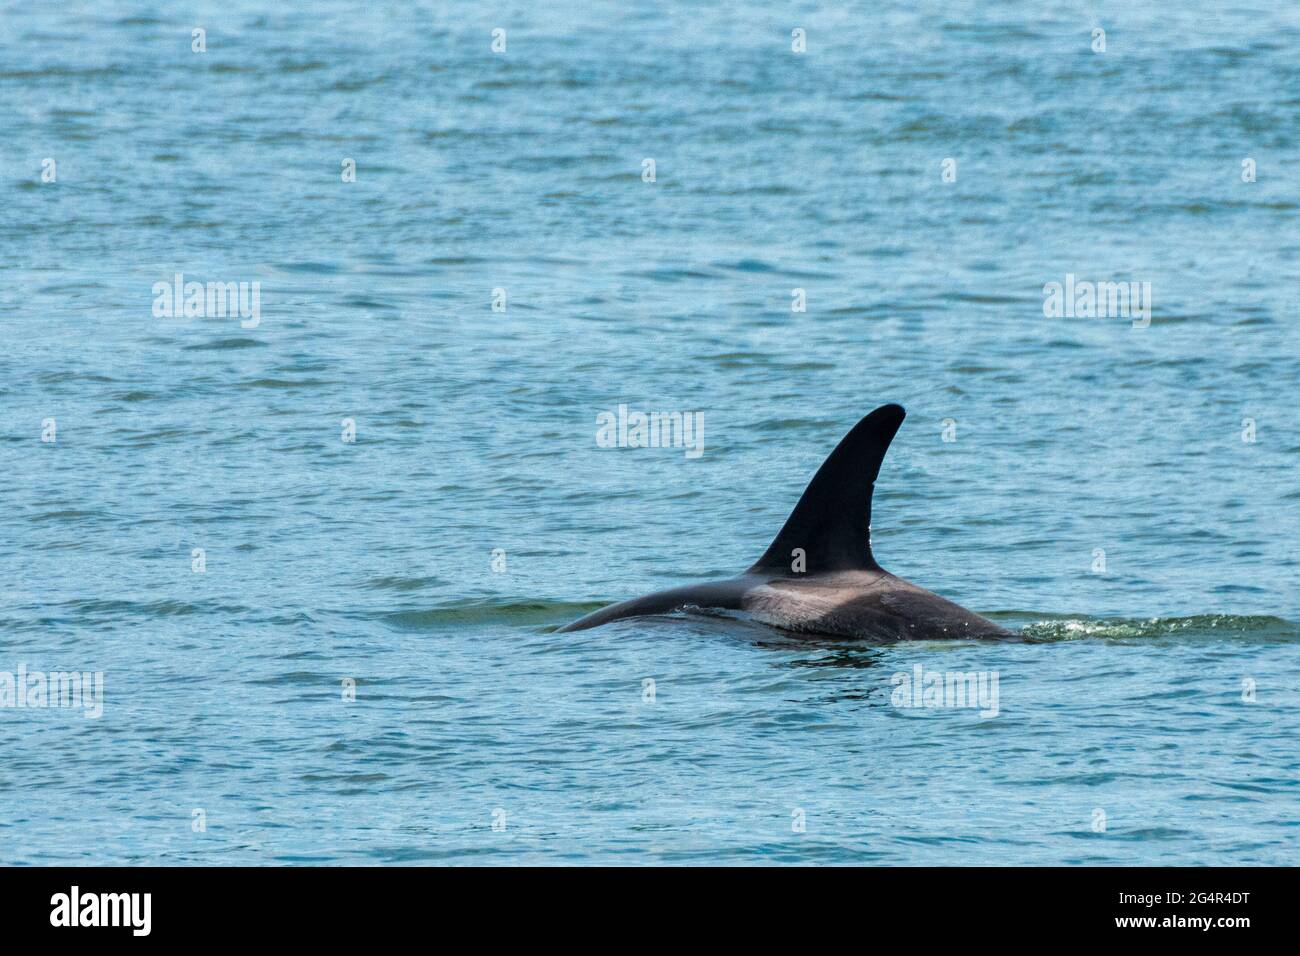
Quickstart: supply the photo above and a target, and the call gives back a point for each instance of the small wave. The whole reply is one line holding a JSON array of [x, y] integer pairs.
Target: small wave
[[400, 583], [93, 611], [508, 612], [1252, 627], [281, 383], [223, 344]]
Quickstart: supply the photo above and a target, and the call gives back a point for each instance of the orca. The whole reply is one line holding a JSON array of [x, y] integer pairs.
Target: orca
[[819, 577]]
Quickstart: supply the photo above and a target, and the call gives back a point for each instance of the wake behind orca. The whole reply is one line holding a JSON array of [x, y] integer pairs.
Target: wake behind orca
[[819, 576]]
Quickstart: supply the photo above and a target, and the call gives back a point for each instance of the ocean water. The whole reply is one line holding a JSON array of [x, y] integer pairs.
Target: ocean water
[[1123, 493]]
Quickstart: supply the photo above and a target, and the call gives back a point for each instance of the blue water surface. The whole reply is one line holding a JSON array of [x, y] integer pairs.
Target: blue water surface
[[1127, 496]]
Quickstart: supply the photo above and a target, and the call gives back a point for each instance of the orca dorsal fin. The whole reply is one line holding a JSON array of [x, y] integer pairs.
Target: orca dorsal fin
[[832, 521]]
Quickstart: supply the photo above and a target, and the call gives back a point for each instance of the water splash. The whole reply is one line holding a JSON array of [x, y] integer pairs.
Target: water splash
[[1250, 627]]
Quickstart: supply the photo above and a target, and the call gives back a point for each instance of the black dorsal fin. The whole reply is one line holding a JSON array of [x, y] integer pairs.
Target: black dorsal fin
[[832, 521]]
